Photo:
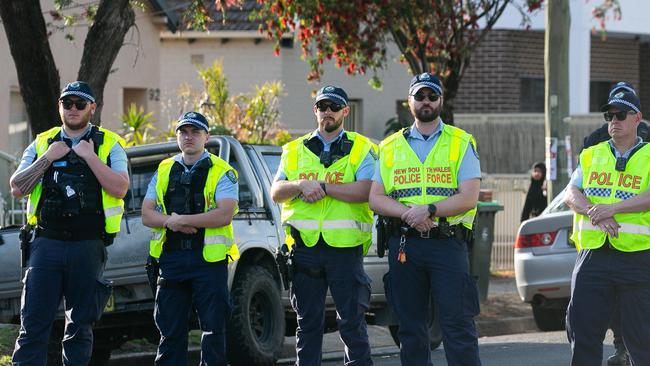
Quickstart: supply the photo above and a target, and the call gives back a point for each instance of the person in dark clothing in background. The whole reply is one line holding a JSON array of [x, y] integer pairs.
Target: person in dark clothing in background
[[536, 200]]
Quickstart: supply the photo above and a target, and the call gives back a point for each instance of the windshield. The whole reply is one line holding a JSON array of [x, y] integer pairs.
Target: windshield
[[272, 162], [557, 205]]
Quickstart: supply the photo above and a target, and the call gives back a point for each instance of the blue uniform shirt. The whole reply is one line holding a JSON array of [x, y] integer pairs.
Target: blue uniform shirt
[[225, 187], [470, 167], [366, 168], [117, 153], [576, 177]]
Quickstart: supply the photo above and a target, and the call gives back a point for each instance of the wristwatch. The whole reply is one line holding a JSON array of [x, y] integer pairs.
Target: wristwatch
[[432, 210], [322, 186]]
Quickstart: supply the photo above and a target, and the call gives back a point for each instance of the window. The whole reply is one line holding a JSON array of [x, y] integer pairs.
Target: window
[[531, 95], [137, 96], [245, 194], [353, 121], [272, 161], [140, 178], [598, 94]]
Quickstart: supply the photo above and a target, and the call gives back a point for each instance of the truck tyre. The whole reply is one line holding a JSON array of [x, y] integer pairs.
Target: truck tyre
[[256, 327], [549, 319]]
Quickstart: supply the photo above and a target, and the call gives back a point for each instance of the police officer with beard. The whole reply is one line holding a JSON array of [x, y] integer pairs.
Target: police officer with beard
[[428, 182], [323, 185], [190, 204], [75, 176]]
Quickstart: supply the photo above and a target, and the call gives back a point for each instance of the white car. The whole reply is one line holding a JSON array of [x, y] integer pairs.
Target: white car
[[544, 260]]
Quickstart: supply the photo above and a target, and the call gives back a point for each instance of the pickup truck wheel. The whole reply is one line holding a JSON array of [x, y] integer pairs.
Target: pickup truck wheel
[[549, 319], [256, 327], [435, 335]]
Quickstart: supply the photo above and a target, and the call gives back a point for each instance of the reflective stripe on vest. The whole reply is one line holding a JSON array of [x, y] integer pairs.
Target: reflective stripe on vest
[[409, 181], [219, 243], [341, 224], [603, 184], [113, 207]]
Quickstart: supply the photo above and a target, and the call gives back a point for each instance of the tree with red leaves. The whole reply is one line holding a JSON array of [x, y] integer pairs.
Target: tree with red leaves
[[432, 35]]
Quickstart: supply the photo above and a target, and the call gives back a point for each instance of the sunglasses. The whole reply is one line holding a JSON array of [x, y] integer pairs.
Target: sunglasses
[[332, 106], [621, 116], [79, 104], [420, 97]]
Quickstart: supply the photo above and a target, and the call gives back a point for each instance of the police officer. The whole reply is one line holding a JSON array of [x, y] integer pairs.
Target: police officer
[[75, 176], [323, 185], [620, 356], [189, 206], [609, 194], [428, 182]]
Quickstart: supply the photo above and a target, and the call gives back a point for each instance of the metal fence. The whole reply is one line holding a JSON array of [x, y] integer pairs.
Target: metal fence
[[12, 211], [509, 190]]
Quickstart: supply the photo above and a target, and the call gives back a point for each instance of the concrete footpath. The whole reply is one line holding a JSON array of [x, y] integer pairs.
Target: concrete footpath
[[503, 313], [502, 294]]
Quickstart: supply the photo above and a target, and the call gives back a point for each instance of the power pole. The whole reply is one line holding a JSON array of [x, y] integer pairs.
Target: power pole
[[556, 84]]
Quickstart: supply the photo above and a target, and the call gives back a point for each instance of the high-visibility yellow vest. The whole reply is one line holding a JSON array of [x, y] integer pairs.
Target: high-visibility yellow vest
[[219, 243], [342, 224], [113, 207], [410, 181], [603, 184]]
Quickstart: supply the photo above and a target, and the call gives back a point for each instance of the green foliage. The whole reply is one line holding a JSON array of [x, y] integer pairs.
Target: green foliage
[[8, 334], [259, 112], [251, 118], [136, 126]]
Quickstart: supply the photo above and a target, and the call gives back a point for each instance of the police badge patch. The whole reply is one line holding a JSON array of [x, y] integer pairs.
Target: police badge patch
[[232, 176]]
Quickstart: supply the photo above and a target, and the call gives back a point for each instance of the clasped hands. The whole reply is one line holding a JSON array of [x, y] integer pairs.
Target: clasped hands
[[418, 217], [176, 222], [311, 191], [603, 217]]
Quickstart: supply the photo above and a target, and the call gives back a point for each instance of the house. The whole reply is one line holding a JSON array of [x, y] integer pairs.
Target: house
[[505, 76]]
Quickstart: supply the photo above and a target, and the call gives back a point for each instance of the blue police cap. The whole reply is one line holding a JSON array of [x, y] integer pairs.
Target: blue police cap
[[80, 89], [621, 86], [333, 93], [425, 80], [195, 119], [625, 101]]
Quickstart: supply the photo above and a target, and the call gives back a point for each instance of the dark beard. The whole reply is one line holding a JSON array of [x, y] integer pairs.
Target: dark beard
[[335, 126], [427, 116]]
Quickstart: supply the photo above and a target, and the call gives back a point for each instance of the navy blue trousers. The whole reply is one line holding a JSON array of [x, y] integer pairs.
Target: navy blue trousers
[[60, 269], [438, 268], [599, 283], [192, 281], [350, 289]]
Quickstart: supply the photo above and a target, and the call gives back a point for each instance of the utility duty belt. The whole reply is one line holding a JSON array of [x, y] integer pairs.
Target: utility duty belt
[[442, 231], [182, 244], [68, 235]]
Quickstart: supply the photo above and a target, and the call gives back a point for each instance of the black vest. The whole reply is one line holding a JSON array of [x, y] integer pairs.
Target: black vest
[[185, 196], [72, 195]]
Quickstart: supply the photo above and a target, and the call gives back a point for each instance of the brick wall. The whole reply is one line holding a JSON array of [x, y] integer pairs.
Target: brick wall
[[491, 83], [615, 59], [644, 78]]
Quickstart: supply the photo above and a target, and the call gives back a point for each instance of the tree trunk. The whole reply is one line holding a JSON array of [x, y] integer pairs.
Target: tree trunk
[[37, 73], [104, 40]]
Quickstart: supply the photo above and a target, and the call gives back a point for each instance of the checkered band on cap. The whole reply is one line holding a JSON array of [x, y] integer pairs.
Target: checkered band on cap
[[624, 195], [426, 84], [598, 192], [624, 102], [193, 121], [78, 93], [332, 96]]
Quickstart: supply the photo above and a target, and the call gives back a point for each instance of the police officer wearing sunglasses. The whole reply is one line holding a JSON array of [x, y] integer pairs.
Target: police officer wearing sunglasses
[[609, 195], [75, 176], [323, 183], [189, 206], [427, 182]]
